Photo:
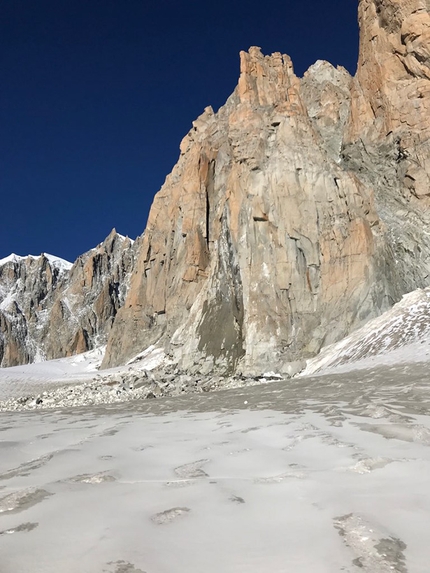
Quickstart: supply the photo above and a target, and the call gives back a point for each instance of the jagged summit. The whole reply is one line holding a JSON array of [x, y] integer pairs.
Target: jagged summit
[[112, 237]]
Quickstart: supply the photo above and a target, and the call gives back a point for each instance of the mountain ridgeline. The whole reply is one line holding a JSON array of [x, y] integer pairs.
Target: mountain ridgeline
[[296, 213]]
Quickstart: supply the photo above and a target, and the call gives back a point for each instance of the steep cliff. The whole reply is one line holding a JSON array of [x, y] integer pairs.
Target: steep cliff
[[50, 308], [296, 212], [386, 142]]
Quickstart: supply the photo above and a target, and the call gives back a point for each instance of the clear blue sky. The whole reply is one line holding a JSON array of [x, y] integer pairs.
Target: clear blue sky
[[96, 95]]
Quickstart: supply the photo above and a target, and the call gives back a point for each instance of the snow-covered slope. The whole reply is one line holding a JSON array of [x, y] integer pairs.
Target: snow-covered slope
[[324, 475], [401, 334]]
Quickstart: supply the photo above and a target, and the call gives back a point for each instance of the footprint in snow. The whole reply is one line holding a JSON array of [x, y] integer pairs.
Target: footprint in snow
[[23, 527], [22, 500], [192, 470], [169, 515]]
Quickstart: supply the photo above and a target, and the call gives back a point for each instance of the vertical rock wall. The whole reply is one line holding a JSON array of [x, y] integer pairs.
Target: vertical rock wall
[[260, 247]]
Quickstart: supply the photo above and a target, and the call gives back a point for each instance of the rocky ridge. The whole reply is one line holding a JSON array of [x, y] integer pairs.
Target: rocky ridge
[[129, 385], [295, 214]]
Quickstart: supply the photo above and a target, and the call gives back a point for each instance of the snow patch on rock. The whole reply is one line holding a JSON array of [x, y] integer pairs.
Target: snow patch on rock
[[401, 334]]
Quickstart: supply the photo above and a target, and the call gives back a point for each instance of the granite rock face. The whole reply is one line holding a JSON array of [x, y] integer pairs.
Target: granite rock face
[[296, 212], [50, 308], [259, 246]]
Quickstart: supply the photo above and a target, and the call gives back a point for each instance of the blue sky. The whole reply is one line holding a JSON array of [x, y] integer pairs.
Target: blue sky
[[96, 96]]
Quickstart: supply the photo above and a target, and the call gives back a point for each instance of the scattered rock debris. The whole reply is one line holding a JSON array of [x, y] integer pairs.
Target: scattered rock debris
[[126, 386]]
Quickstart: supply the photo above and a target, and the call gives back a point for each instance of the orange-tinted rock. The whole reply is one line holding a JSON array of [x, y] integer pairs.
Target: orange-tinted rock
[[259, 245]]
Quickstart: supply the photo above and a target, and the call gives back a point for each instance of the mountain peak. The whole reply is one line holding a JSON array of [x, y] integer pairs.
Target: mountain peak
[[56, 262], [265, 80]]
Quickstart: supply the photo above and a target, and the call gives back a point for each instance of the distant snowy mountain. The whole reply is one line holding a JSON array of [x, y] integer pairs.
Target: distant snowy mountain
[[392, 337], [50, 308], [57, 262]]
